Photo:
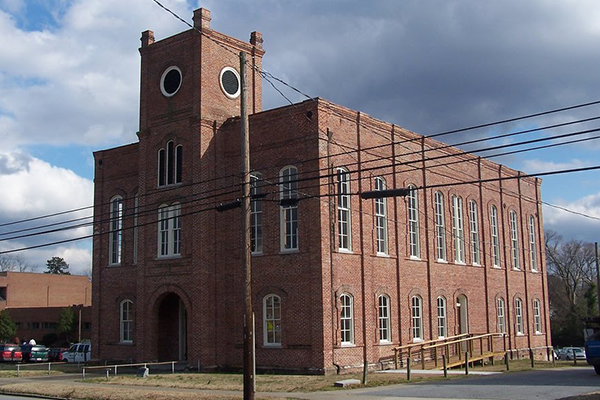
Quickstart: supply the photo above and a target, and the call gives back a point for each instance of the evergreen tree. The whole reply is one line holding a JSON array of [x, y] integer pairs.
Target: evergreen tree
[[66, 321], [57, 265], [8, 328]]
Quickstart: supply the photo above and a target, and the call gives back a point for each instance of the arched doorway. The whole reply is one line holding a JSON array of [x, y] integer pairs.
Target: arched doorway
[[172, 329], [463, 314]]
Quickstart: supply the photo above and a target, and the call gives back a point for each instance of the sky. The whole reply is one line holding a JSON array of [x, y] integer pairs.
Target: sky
[[69, 85]]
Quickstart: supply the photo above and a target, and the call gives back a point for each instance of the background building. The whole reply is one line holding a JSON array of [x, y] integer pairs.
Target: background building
[[332, 274]]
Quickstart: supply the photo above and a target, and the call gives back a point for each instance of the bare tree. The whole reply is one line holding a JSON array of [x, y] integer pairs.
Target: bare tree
[[9, 262]]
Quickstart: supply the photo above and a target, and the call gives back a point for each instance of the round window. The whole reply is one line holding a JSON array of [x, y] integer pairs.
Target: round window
[[170, 82], [230, 82]]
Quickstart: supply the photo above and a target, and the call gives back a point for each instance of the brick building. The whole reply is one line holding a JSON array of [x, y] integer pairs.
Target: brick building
[[35, 300], [332, 273]]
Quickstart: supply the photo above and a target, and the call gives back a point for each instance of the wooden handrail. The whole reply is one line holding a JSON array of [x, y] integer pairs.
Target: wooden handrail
[[466, 339], [417, 344]]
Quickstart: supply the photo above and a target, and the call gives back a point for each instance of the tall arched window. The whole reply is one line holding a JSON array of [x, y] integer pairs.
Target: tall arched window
[[381, 218], [495, 240], [440, 226], [256, 212], [169, 230], [514, 240], [288, 182], [384, 319], [116, 229], [417, 318], [537, 316], [170, 164], [347, 319], [343, 206], [501, 315], [519, 316], [441, 309], [272, 320], [413, 221], [532, 244], [474, 227], [458, 229], [126, 321], [136, 206]]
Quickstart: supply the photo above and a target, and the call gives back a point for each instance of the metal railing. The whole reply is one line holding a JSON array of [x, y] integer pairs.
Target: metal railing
[[115, 367]]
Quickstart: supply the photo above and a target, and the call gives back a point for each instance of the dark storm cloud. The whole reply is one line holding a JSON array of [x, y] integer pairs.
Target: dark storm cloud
[[427, 65]]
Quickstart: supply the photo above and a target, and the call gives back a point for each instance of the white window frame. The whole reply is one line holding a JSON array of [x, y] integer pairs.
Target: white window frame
[[474, 228], [519, 316], [126, 321], [170, 159], [442, 320], [458, 230], [116, 231], [537, 316], [440, 227], [347, 319], [272, 321], [344, 210], [501, 314], [169, 231], [413, 222], [416, 313], [381, 225], [385, 331], [532, 244], [495, 238], [256, 237], [514, 240], [288, 189]]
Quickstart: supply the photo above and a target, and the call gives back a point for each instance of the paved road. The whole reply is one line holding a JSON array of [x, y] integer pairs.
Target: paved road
[[540, 384]]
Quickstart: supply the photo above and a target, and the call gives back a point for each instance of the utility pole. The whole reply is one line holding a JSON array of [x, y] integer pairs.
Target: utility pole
[[246, 249], [597, 277]]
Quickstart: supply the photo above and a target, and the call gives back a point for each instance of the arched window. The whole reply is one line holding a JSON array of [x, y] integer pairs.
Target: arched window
[[381, 218], [170, 164], [501, 315], [116, 229], [537, 316], [519, 316], [440, 226], [514, 240], [441, 310], [384, 319], [413, 222], [495, 241], [458, 229], [288, 182], [169, 230], [474, 226], [347, 319], [272, 320], [256, 212], [343, 206], [417, 318], [532, 244], [126, 321]]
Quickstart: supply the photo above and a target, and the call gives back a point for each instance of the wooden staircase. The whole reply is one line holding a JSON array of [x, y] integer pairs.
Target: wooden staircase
[[457, 350]]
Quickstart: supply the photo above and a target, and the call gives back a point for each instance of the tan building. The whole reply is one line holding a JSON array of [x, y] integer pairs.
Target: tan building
[[27, 289]]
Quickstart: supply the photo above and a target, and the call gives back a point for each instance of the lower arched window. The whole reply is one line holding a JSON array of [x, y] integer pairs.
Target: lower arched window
[[126, 317], [272, 320], [384, 319], [417, 318], [347, 319]]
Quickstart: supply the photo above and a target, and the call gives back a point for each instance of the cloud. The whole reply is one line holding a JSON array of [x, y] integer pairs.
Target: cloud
[[535, 166], [572, 225]]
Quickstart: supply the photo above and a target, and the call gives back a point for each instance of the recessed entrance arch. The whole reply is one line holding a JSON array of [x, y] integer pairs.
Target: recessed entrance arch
[[172, 328], [463, 314]]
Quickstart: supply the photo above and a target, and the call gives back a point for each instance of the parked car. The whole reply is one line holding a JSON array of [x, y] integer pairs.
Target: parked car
[[78, 352], [579, 353], [10, 352], [592, 342], [34, 353], [56, 353]]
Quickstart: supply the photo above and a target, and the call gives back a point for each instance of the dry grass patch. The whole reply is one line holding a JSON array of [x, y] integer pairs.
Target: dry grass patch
[[264, 383], [83, 392]]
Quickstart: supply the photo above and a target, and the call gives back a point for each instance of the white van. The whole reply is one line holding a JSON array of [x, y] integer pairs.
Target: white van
[[78, 352]]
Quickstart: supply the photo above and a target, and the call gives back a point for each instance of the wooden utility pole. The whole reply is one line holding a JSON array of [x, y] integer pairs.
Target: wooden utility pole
[[246, 248]]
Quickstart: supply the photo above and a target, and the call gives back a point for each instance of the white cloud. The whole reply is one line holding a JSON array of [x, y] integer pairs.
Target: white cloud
[[534, 166], [571, 225]]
